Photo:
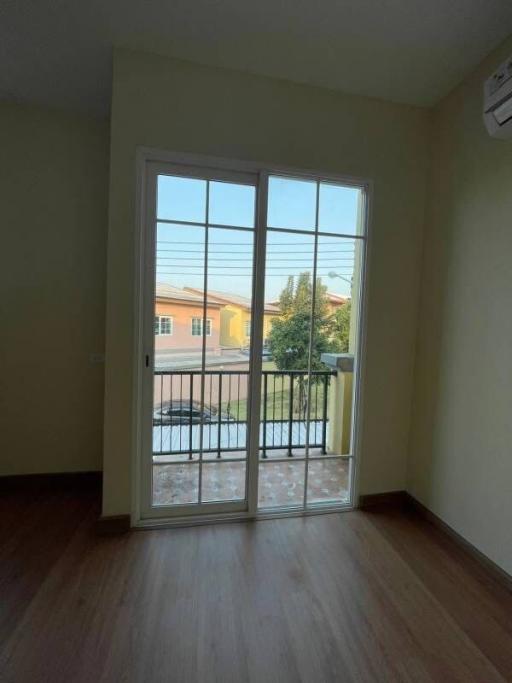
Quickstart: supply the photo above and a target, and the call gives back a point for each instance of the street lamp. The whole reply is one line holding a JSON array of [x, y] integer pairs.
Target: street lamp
[[332, 274]]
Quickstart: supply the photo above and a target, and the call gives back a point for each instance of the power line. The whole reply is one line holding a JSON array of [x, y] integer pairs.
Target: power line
[[249, 252], [273, 260], [248, 266], [325, 275], [247, 274], [269, 244], [250, 246]]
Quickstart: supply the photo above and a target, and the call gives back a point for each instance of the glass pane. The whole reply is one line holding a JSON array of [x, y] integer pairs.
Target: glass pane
[[176, 415], [291, 203], [232, 204], [223, 481], [230, 266], [179, 286], [175, 418], [286, 331], [175, 484], [281, 484], [340, 209], [226, 397], [339, 271], [177, 412], [181, 199], [328, 481]]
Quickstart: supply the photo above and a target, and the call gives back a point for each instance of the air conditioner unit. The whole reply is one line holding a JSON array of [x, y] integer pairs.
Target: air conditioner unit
[[498, 101]]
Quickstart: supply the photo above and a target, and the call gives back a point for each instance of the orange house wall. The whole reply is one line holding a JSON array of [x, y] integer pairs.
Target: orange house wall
[[181, 337]]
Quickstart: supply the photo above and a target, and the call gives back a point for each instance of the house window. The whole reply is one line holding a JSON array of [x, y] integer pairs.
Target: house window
[[247, 328], [197, 327], [163, 325]]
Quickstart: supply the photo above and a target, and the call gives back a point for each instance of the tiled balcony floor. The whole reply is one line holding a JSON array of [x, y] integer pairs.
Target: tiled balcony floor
[[281, 484]]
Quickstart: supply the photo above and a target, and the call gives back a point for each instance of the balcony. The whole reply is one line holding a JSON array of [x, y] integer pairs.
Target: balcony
[[185, 423]]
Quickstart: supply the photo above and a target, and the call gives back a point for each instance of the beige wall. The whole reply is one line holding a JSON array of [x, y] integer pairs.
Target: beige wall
[[461, 439], [179, 106], [53, 199]]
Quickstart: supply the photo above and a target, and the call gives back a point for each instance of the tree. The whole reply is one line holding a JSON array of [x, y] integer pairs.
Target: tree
[[290, 333], [286, 297], [341, 327]]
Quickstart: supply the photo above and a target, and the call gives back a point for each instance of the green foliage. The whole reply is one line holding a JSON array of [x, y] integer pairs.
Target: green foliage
[[341, 327], [290, 333], [286, 298]]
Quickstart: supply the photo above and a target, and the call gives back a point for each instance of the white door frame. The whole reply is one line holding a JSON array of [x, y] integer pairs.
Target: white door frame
[[143, 355]]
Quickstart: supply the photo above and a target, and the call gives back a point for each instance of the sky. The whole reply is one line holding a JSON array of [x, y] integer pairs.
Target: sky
[[291, 204]]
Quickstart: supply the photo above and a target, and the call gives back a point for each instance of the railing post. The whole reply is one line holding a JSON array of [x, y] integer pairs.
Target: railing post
[[190, 415], [181, 403], [228, 411], [264, 449], [238, 410], [170, 407], [290, 418], [162, 413], [324, 415], [219, 426]]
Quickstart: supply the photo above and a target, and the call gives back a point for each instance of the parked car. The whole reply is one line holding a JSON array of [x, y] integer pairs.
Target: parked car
[[185, 412]]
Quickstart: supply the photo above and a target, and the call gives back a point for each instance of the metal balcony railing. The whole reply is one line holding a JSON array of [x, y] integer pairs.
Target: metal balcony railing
[[183, 425]]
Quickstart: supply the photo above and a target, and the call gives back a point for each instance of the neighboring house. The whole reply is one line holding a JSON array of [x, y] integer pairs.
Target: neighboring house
[[334, 301], [179, 320], [235, 317]]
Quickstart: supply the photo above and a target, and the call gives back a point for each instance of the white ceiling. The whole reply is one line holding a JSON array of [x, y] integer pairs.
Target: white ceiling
[[58, 52]]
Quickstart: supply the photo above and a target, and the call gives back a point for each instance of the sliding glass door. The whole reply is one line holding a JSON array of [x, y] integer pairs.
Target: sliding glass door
[[200, 297], [252, 285], [314, 248]]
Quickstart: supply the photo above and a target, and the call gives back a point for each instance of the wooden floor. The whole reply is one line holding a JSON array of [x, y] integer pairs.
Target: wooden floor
[[343, 597]]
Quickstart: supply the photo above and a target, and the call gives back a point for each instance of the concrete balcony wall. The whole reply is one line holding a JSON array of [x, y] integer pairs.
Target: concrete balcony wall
[[340, 403]]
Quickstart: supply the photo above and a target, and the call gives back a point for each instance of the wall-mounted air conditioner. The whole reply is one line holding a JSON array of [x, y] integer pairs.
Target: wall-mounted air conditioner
[[498, 101]]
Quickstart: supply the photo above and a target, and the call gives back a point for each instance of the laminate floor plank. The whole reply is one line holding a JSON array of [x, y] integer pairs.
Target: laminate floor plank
[[357, 597]]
